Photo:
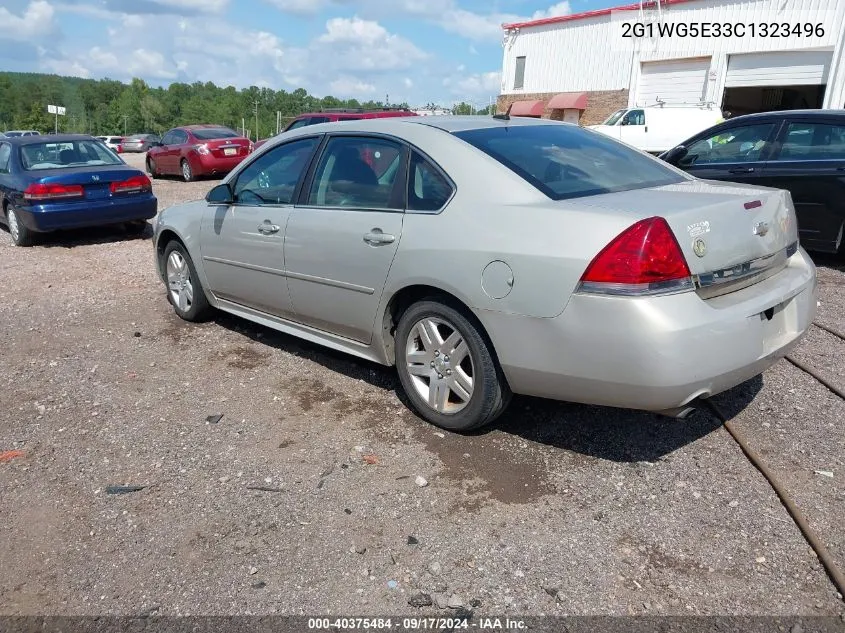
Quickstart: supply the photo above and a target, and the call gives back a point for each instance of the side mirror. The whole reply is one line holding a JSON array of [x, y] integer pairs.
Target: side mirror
[[674, 155], [221, 194]]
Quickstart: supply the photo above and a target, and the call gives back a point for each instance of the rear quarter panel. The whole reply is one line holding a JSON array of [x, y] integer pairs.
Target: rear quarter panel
[[495, 215]]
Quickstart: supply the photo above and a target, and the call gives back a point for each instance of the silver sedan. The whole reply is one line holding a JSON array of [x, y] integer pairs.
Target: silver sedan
[[490, 256]]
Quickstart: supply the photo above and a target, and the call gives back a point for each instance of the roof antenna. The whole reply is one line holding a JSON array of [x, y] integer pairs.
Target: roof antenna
[[506, 116]]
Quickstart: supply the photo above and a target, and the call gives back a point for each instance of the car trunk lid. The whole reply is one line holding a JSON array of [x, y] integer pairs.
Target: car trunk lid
[[95, 185], [731, 235], [228, 147]]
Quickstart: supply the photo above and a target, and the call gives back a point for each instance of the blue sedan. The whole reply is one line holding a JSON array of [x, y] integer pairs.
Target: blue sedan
[[68, 181]]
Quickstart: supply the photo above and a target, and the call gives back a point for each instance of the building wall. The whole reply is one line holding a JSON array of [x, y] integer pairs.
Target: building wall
[[600, 104], [590, 55]]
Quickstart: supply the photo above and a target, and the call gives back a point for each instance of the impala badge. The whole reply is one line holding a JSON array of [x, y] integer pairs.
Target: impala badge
[[761, 229], [699, 247]]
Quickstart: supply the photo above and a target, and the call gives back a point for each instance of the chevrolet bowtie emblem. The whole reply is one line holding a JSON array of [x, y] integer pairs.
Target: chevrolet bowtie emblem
[[761, 229]]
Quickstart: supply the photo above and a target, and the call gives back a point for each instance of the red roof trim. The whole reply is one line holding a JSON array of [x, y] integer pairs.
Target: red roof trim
[[587, 14], [569, 101], [528, 108]]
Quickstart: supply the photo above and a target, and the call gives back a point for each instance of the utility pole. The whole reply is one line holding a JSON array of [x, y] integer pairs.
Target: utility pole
[[125, 119], [256, 120]]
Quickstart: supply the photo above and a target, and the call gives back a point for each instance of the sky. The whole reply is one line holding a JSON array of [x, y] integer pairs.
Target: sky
[[414, 51]]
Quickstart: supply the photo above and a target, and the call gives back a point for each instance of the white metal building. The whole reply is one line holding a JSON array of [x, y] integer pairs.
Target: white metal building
[[581, 67]]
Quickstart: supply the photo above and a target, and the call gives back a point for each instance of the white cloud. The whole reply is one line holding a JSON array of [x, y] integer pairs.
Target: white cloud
[[299, 7], [353, 44], [351, 87], [474, 84], [37, 20], [66, 67]]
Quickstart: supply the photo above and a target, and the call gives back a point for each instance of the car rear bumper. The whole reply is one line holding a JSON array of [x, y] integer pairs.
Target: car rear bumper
[[656, 353], [53, 217], [206, 164]]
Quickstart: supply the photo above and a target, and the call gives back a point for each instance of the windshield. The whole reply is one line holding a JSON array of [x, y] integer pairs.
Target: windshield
[[613, 118], [82, 153], [565, 161], [211, 133]]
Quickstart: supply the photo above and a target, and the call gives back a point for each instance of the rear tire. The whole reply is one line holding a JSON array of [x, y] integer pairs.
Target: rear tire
[[447, 367], [184, 289], [21, 236], [187, 172]]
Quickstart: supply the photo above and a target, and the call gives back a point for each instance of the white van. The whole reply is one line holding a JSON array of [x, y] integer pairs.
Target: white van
[[656, 129]]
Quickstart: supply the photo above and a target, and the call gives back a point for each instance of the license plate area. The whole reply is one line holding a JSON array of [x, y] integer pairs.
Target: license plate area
[[230, 151], [97, 192], [779, 324]]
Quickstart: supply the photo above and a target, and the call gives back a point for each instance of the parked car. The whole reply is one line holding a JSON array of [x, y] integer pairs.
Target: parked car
[[802, 151], [140, 142], [13, 133], [656, 129], [484, 256], [341, 114], [69, 181], [197, 150], [114, 143]]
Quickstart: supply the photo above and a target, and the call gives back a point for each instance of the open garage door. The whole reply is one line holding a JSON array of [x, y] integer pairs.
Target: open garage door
[[673, 82], [763, 82]]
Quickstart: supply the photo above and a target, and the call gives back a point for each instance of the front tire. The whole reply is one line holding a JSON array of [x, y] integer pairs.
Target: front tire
[[184, 290], [21, 236], [187, 172], [151, 168], [447, 368]]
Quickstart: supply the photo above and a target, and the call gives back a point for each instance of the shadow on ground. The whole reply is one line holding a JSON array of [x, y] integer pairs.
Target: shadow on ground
[[618, 435]]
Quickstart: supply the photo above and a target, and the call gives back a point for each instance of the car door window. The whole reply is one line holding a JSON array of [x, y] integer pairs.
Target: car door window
[[180, 137], [428, 190], [5, 156], [813, 141], [634, 117], [167, 139], [744, 144], [356, 172], [272, 178]]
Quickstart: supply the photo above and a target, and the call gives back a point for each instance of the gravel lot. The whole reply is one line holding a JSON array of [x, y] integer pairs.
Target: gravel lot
[[559, 509]]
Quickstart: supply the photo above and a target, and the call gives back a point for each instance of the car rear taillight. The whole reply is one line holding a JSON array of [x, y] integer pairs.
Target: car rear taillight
[[135, 184], [41, 191], [202, 149], [645, 259]]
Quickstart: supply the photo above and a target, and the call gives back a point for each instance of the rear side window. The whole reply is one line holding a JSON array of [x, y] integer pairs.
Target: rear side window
[[566, 161], [813, 141], [5, 156], [428, 190]]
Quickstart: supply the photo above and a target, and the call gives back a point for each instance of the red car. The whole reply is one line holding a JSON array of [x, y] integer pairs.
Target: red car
[[192, 151], [340, 114]]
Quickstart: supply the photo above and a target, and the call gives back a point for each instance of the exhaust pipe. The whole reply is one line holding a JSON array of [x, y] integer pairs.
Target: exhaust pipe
[[679, 413]]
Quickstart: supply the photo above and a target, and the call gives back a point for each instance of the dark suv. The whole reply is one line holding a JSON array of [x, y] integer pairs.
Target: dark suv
[[341, 114], [799, 150]]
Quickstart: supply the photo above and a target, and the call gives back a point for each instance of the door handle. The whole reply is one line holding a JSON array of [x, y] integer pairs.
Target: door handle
[[268, 228], [742, 170], [377, 236]]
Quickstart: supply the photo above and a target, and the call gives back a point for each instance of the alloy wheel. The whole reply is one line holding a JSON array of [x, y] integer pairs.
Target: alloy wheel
[[179, 282], [440, 365]]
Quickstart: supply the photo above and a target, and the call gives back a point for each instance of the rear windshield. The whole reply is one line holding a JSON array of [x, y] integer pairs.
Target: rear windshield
[[83, 153], [566, 161], [211, 133]]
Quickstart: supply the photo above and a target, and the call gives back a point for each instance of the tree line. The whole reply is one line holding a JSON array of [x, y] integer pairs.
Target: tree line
[[109, 107]]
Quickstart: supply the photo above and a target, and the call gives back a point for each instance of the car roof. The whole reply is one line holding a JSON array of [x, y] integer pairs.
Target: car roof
[[201, 126], [782, 113], [447, 123], [49, 138]]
